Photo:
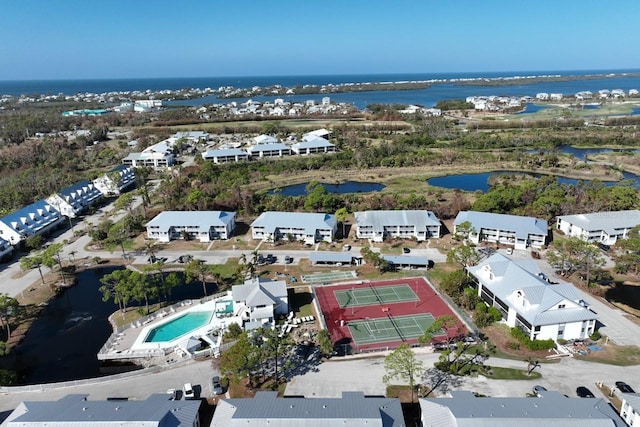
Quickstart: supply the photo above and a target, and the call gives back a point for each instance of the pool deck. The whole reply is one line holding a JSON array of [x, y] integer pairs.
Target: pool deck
[[127, 342]]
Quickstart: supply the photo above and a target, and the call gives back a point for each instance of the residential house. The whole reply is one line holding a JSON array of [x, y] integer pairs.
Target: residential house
[[352, 409], [229, 155], [552, 408], [527, 301], [630, 408], [303, 226], [116, 181], [204, 226], [260, 300], [555, 97], [313, 145], [76, 410], [520, 232], [265, 139], [600, 227], [407, 224], [36, 219], [275, 149], [75, 199], [192, 136]]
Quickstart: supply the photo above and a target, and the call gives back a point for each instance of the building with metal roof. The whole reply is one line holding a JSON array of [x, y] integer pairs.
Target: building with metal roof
[[5, 249], [464, 409], [35, 219], [264, 139], [273, 149], [600, 227], [330, 258], [228, 155], [313, 145], [630, 408], [75, 410], [75, 199], [116, 181], [520, 232], [159, 155], [202, 225], [527, 301], [322, 133], [259, 300], [403, 224], [352, 409], [307, 227], [406, 261]]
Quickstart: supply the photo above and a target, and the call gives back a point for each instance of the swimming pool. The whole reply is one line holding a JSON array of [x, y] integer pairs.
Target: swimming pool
[[179, 326]]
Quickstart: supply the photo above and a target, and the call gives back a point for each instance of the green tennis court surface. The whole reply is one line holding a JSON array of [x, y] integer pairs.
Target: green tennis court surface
[[328, 277], [386, 329], [369, 295]]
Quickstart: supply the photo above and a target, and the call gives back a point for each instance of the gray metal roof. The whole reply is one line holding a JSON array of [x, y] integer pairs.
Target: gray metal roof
[[506, 278], [224, 153], [260, 291], [271, 146], [310, 222], [608, 222], [463, 409], [522, 226], [328, 256], [406, 260], [379, 219], [353, 409], [314, 142], [75, 410], [201, 219]]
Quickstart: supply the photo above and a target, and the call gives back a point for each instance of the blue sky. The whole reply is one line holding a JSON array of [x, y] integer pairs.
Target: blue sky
[[73, 39]]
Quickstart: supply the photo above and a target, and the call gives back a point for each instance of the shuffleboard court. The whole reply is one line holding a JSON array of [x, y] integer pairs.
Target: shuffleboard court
[[385, 329], [327, 277], [360, 295]]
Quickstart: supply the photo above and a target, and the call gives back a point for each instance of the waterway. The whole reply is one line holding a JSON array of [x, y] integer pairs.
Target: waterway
[[341, 188], [62, 343]]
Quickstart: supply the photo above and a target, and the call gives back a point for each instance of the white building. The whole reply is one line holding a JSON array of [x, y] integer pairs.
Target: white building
[[529, 302], [520, 232], [260, 301], [75, 199], [116, 181], [5, 249], [159, 155], [36, 219], [377, 225], [599, 227], [229, 155], [303, 226], [630, 408], [276, 149], [204, 226], [313, 145], [265, 139], [192, 136]]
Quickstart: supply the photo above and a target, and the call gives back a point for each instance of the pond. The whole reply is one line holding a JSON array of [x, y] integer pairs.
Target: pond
[[62, 343], [341, 188], [530, 108], [480, 181]]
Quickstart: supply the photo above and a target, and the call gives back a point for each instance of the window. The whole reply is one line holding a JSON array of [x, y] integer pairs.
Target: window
[[562, 305]]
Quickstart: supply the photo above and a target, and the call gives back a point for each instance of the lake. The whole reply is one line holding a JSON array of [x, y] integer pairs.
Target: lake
[[62, 343], [480, 181], [341, 188]]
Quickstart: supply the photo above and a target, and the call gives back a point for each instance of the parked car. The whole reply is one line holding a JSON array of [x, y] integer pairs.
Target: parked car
[[260, 260], [270, 259], [584, 392], [537, 389], [624, 387], [288, 259], [406, 250], [188, 391], [173, 394], [346, 248], [215, 385], [509, 251]]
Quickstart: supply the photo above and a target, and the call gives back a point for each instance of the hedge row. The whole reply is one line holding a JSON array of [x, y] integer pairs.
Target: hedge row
[[532, 344]]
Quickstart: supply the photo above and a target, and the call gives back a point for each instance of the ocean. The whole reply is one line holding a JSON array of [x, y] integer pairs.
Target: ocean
[[441, 90]]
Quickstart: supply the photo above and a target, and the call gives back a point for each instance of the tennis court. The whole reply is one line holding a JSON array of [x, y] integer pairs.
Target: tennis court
[[369, 295], [327, 277], [385, 329]]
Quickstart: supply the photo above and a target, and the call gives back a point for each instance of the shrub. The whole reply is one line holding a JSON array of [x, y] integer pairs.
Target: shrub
[[532, 344], [595, 336], [513, 345]]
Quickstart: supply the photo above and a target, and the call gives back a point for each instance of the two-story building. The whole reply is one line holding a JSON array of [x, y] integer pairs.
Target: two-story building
[[116, 181], [600, 227], [75, 199], [227, 155], [260, 300], [406, 224], [529, 302], [307, 227], [204, 226], [521, 232], [38, 218]]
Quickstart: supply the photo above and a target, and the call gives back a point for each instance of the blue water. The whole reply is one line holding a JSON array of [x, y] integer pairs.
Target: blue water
[[635, 111], [427, 97], [178, 326], [533, 108], [342, 188]]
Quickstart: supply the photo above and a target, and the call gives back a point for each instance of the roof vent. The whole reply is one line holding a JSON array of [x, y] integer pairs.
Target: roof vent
[[84, 408], [324, 406]]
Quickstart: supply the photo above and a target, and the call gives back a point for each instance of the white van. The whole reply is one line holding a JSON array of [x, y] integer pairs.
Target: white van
[[188, 391]]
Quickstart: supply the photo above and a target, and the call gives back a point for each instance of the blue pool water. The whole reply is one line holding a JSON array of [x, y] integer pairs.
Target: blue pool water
[[178, 326]]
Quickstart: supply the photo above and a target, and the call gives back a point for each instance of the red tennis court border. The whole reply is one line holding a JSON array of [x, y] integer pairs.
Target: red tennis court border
[[337, 318]]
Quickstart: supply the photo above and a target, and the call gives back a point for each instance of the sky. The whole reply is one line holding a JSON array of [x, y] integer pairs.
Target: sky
[[94, 39]]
